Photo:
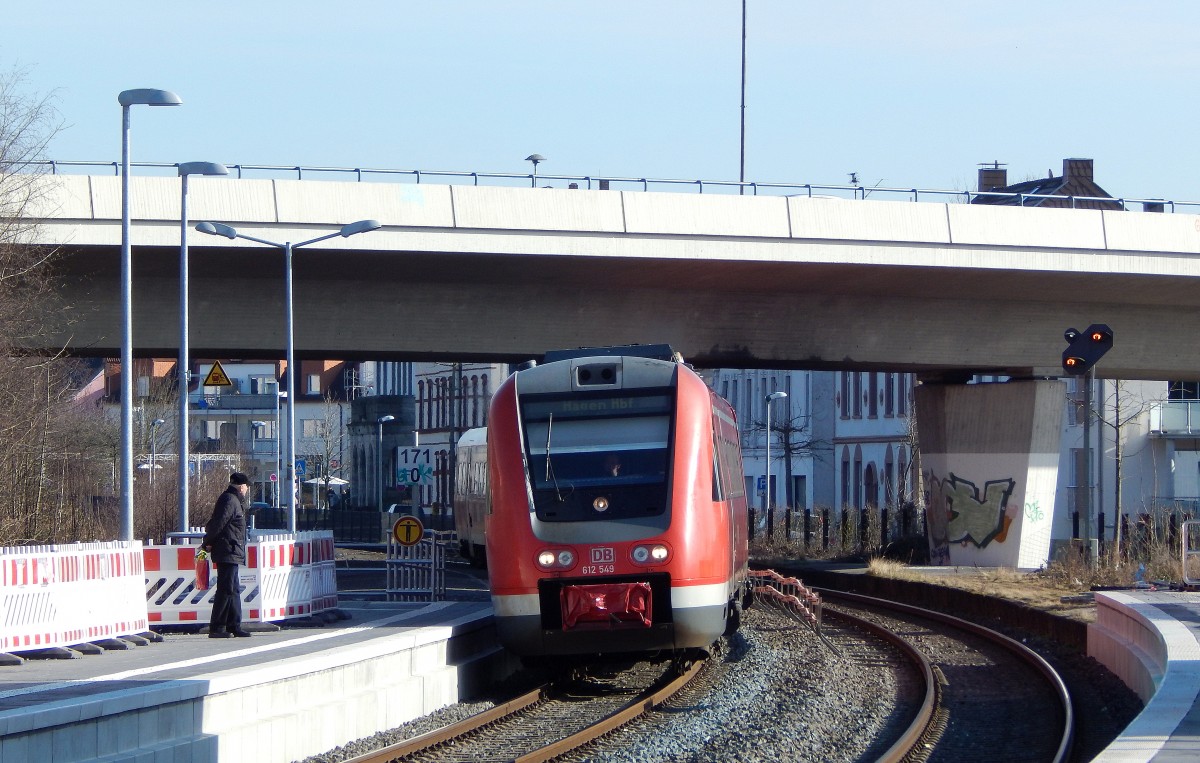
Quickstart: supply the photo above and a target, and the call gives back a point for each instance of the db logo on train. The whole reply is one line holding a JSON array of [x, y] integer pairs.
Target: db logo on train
[[408, 531], [601, 555]]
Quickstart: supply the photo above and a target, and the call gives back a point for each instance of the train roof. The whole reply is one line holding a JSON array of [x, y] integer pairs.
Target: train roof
[[652, 351], [477, 436]]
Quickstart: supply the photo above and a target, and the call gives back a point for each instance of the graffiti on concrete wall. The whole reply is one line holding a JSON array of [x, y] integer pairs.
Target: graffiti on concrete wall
[[958, 512]]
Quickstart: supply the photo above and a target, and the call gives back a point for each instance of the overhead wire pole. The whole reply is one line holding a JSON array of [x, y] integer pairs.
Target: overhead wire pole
[[742, 142]]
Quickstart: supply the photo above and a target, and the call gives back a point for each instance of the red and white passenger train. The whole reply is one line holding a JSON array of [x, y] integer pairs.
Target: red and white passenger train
[[617, 516]]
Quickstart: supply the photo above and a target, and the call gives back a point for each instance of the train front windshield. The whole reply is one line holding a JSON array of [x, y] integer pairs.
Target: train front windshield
[[598, 457]]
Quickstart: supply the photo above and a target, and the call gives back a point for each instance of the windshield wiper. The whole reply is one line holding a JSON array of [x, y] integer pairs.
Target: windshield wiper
[[549, 468]]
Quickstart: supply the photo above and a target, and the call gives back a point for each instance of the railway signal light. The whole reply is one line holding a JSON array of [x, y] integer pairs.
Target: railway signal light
[[1084, 349]]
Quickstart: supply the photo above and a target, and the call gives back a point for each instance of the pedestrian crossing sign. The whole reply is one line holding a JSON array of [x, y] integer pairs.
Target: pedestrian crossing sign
[[217, 377]]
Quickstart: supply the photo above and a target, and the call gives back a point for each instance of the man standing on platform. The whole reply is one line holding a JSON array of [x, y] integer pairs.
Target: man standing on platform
[[225, 540]]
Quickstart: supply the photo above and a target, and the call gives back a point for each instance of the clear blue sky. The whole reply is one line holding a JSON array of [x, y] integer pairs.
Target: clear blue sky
[[912, 93]]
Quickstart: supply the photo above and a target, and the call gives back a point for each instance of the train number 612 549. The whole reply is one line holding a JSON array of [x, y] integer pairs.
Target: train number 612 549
[[599, 569]]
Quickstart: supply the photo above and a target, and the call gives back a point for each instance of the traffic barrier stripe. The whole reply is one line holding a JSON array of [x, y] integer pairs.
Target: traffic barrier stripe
[[64, 594], [276, 582]]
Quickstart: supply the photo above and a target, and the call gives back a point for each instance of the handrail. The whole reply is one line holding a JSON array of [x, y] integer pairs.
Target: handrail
[[843, 191]]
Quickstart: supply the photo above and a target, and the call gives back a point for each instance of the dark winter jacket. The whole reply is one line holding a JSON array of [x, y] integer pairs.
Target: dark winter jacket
[[225, 533]]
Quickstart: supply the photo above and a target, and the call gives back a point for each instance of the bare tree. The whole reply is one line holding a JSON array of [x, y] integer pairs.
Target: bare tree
[[332, 441], [38, 454], [1127, 407], [795, 441]]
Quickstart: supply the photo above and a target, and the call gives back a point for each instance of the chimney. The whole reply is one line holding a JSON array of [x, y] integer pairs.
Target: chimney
[[992, 176], [1077, 169]]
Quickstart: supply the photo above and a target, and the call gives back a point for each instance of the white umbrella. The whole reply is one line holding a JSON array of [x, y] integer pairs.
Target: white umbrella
[[326, 481]]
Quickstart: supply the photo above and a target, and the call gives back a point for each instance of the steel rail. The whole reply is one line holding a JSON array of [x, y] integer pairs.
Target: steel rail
[[643, 704], [925, 724], [1052, 677], [445, 734]]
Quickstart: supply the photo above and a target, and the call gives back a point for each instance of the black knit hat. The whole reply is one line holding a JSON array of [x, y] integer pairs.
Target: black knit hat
[[237, 478]]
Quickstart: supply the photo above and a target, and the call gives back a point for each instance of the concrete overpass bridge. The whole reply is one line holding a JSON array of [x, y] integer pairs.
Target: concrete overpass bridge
[[498, 273], [465, 272]]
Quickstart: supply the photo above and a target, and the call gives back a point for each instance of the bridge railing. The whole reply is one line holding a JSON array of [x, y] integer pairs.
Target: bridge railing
[[453, 177]]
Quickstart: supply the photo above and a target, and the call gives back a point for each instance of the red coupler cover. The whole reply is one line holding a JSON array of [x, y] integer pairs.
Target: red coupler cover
[[606, 603]]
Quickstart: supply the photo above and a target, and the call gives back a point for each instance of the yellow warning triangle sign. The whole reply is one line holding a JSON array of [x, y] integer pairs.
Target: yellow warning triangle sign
[[217, 377]]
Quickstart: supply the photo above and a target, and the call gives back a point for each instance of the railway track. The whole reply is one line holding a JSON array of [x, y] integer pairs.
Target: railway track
[[549, 721], [988, 697], [814, 678]]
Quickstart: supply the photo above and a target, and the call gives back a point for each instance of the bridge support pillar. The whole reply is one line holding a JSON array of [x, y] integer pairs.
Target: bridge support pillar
[[989, 463]]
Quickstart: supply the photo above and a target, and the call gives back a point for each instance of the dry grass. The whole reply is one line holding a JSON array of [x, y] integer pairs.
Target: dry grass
[[1057, 594]]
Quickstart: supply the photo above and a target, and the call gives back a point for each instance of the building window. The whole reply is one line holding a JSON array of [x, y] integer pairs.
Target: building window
[[858, 481], [873, 395], [871, 486], [902, 395], [889, 395], [263, 385], [314, 384], [845, 390], [487, 395], [889, 479], [845, 477], [421, 404], [858, 395], [1184, 390], [312, 428], [799, 492]]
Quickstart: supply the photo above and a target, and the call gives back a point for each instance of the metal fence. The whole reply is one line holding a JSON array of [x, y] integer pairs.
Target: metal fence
[[417, 572], [454, 177]]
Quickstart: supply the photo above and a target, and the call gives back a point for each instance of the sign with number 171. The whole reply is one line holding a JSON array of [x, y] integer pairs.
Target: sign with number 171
[[414, 466]]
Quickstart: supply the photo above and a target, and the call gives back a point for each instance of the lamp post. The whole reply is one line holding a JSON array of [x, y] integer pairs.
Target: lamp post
[[186, 169], [217, 229], [535, 158], [379, 454], [127, 98], [768, 504], [154, 425]]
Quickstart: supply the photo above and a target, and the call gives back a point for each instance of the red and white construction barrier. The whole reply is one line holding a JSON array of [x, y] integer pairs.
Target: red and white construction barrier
[[60, 595], [324, 573], [285, 575]]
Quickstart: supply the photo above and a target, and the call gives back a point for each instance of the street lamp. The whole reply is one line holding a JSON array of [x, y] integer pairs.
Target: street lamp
[[379, 454], [127, 98], [217, 229], [535, 158], [154, 425], [768, 506], [186, 169]]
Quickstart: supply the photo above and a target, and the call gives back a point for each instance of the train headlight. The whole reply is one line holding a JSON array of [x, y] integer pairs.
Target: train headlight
[[655, 554], [600, 504], [556, 559]]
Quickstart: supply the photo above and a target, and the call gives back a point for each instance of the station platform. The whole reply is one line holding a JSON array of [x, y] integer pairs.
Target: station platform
[[281, 695], [1151, 641]]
